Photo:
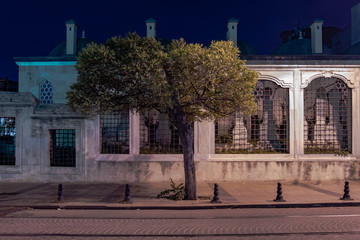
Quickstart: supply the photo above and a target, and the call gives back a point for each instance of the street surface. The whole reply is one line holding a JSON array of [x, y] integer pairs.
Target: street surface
[[297, 223]]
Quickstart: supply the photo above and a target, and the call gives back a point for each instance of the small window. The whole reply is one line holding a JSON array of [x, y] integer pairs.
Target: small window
[[62, 148], [46, 92], [7, 141], [114, 133]]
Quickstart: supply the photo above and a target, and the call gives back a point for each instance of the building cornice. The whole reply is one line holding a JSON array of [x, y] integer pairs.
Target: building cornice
[[46, 61]]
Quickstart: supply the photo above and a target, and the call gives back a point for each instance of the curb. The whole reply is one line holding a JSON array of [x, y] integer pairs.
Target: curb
[[201, 207]]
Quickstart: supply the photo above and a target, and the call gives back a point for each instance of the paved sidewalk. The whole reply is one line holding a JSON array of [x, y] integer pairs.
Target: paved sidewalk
[[144, 195]]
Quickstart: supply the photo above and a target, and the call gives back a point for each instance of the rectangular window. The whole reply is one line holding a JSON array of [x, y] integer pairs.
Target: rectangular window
[[62, 148], [114, 133], [7, 141], [158, 135]]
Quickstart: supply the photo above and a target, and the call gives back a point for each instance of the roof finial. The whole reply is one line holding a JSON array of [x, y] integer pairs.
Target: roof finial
[[300, 34], [83, 34]]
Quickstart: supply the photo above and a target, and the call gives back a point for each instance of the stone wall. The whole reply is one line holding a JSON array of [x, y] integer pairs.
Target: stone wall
[[33, 122]]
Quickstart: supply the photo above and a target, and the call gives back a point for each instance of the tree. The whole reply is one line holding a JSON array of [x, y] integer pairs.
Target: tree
[[188, 82]]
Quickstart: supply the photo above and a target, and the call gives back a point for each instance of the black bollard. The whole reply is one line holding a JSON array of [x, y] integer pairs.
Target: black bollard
[[60, 197], [127, 198], [346, 192], [279, 196], [216, 198]]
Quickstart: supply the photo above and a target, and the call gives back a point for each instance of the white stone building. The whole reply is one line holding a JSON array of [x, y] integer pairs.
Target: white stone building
[[305, 128]]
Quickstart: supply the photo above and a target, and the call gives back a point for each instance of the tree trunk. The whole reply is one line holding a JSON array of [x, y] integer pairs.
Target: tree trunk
[[186, 135]]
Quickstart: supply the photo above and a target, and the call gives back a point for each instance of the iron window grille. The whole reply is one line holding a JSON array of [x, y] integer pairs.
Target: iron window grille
[[158, 134], [114, 133], [46, 92], [7, 141], [267, 131], [327, 117], [62, 148]]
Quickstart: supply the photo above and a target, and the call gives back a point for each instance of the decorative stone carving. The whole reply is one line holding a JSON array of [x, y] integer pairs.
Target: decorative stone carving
[[327, 74]]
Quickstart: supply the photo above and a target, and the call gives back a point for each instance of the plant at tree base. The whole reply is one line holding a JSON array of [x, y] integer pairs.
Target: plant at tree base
[[175, 192], [188, 82]]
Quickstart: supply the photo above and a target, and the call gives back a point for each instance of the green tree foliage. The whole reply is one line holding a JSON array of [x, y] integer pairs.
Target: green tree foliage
[[188, 82]]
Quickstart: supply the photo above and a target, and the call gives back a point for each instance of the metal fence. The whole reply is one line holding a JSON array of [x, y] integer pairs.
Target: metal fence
[[158, 134], [267, 131], [7, 141], [62, 148], [114, 133], [327, 120]]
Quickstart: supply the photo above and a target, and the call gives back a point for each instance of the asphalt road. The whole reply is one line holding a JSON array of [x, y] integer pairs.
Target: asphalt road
[[311, 223]]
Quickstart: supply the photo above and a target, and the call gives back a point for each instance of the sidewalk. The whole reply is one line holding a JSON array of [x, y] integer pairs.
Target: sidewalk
[[144, 195]]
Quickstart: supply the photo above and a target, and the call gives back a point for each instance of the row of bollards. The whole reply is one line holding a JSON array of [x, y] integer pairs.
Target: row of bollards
[[216, 198], [279, 196]]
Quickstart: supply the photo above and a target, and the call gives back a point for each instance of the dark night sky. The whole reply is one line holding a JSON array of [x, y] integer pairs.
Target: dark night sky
[[33, 27]]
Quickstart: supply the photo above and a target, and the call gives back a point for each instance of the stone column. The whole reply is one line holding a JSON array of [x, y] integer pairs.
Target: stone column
[[297, 119], [204, 139], [134, 125]]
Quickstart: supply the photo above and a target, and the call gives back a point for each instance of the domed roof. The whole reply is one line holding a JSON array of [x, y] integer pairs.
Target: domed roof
[[60, 49], [354, 49], [299, 47], [150, 20], [245, 48]]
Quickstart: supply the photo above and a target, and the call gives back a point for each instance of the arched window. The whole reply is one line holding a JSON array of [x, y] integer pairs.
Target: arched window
[[327, 117], [46, 92], [267, 131]]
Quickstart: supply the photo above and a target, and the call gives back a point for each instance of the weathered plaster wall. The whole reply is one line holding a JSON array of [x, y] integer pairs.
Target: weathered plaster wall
[[33, 124], [60, 76], [155, 171]]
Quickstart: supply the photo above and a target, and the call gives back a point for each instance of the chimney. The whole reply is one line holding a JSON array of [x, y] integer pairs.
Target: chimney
[[232, 30], [150, 28], [355, 24], [316, 36], [71, 36]]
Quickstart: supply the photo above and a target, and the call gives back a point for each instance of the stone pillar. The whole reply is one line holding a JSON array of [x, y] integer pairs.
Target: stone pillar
[[134, 125], [204, 138], [355, 92], [297, 119]]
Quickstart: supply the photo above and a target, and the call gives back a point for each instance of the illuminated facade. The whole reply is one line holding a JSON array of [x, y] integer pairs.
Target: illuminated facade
[[304, 129]]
